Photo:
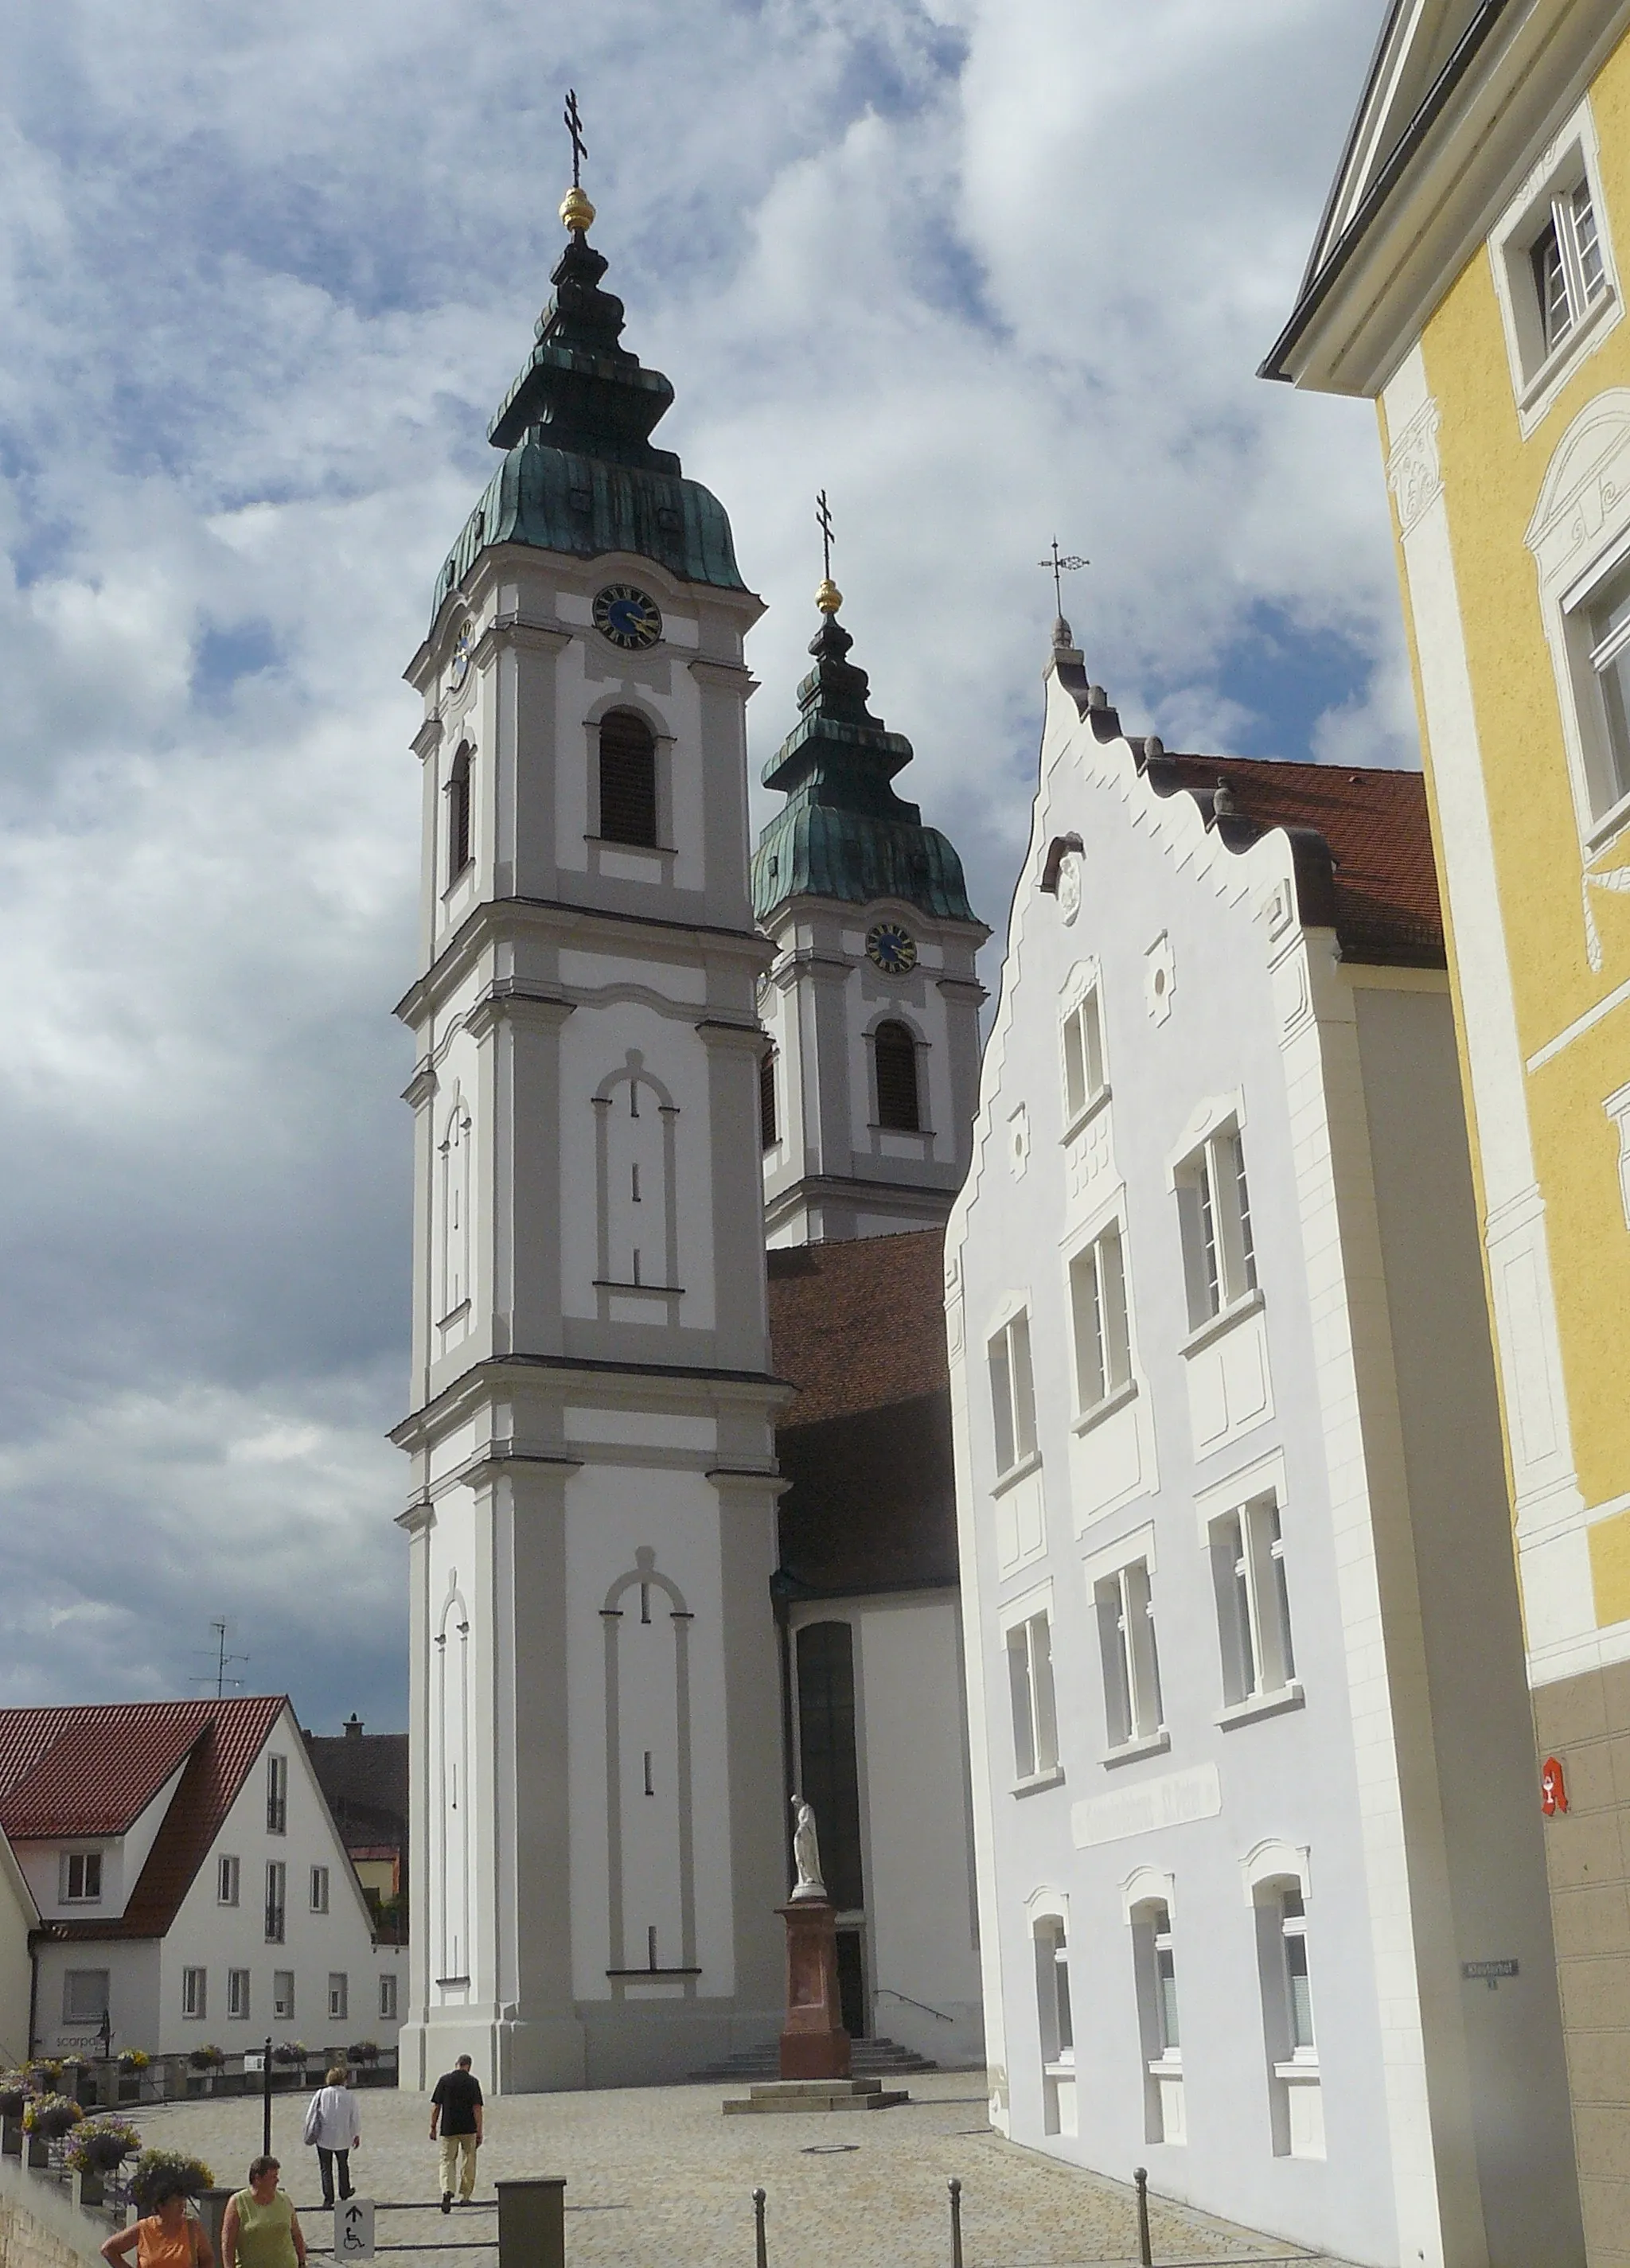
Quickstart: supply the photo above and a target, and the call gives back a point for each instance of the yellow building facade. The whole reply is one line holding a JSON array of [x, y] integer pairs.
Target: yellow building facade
[[1469, 277]]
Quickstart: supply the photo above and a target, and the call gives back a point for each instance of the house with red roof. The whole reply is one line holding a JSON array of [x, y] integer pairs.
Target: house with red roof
[[189, 1882], [1258, 1837]]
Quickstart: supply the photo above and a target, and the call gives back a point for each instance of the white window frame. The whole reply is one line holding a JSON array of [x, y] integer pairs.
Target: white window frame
[[339, 1996], [1539, 369], [1212, 1190], [319, 1887], [194, 1994], [1027, 1647], [1101, 1321], [90, 1865], [1123, 1598], [277, 1795], [228, 1879], [1278, 1889], [1256, 1641], [277, 1900], [1013, 1395], [76, 2007], [1083, 1063], [387, 1996], [238, 1996], [282, 1995], [1148, 1899]]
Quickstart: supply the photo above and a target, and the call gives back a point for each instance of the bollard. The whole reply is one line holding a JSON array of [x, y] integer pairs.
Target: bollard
[[212, 2212], [1140, 2177], [532, 2222], [266, 2076], [760, 2251], [955, 2188]]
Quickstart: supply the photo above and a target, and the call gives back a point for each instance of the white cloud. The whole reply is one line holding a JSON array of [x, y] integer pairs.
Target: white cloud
[[986, 269]]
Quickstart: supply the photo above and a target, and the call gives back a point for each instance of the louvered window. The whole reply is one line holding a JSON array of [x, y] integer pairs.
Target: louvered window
[[459, 814], [627, 779], [897, 1105], [767, 1135]]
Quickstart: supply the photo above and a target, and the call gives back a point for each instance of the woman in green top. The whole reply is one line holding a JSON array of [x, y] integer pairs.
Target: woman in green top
[[260, 2229]]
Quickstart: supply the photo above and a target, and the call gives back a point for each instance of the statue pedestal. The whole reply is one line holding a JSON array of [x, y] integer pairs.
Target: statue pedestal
[[814, 2043]]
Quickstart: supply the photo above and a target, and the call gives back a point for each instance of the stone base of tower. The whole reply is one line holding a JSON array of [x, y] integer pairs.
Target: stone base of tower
[[602, 2045]]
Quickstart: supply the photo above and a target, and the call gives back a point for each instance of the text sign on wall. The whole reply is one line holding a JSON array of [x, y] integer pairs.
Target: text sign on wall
[[353, 2229], [1489, 1971]]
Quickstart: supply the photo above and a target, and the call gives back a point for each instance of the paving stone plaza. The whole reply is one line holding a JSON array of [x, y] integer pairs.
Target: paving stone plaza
[[657, 2175]]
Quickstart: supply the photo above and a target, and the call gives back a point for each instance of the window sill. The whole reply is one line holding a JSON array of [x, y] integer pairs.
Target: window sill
[[652, 850], [1261, 1704], [1224, 1319], [1548, 376], [1090, 1110], [1036, 1781], [1064, 2068], [1107, 1408], [1015, 1473], [1294, 2071], [1166, 2066], [876, 1126], [639, 1291], [1127, 1752], [466, 874], [1613, 821], [453, 1315]]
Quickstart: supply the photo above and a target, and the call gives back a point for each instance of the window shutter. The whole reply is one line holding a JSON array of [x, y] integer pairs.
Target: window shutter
[[897, 1079], [767, 1100], [627, 779]]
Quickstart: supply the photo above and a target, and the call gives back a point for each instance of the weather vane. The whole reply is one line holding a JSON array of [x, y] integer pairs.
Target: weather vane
[[574, 127], [828, 598], [1061, 563]]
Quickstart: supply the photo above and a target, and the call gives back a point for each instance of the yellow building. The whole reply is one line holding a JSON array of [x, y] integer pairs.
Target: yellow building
[[1470, 276]]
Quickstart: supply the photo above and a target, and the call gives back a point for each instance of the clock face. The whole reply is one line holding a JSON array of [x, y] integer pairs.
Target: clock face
[[628, 617], [893, 949], [460, 670]]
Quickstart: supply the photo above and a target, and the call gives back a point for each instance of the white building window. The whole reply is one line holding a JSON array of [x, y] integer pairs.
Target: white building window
[[194, 1992], [1598, 627], [276, 1900], [1082, 1038], [282, 1994], [319, 1889], [85, 1995], [339, 1996], [277, 1795], [387, 1998], [1131, 1673], [1253, 1602], [237, 1992], [1055, 2025], [1554, 271], [1013, 1394], [81, 1877], [227, 1876], [1214, 1213], [1160, 2030], [1566, 261], [1098, 1312], [1297, 2108], [1029, 1678]]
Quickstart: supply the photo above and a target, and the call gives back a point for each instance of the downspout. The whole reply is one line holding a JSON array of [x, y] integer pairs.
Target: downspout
[[781, 1586]]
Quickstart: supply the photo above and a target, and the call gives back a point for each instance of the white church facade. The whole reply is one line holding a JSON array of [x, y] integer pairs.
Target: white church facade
[[1261, 1880]]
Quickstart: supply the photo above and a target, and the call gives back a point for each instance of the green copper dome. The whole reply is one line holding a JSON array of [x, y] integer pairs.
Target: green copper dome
[[844, 833], [580, 473]]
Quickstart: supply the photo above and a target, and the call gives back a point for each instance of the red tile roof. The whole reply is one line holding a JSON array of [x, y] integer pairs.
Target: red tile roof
[[859, 1327], [91, 1771], [1376, 823]]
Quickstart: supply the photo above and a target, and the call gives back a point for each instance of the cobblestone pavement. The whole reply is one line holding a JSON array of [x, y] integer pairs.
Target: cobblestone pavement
[[656, 2176]]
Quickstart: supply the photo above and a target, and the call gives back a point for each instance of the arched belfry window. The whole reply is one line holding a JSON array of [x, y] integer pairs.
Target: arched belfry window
[[898, 1107], [627, 779], [458, 813], [768, 1134]]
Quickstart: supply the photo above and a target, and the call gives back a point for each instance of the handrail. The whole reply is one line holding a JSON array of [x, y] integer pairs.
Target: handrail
[[938, 2013]]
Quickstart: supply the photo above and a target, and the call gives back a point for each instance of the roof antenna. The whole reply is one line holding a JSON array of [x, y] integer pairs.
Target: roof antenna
[[218, 1675]]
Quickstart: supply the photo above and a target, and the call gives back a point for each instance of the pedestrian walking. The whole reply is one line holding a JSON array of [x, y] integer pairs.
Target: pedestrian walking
[[332, 2124], [457, 2109], [168, 2236], [260, 2228]]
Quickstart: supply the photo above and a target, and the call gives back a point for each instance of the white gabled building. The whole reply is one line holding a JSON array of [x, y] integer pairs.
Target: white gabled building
[[1262, 1889], [189, 1882]]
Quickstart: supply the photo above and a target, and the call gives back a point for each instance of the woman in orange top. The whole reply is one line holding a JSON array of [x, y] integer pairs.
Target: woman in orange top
[[168, 2238]]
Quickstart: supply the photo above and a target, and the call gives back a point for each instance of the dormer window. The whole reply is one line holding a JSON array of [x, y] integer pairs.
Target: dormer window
[[628, 780], [458, 813], [81, 1878]]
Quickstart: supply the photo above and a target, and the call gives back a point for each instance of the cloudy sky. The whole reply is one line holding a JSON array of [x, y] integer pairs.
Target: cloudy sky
[[987, 269]]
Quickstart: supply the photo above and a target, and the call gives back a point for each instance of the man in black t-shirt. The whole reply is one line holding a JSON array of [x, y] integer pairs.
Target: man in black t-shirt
[[457, 2113]]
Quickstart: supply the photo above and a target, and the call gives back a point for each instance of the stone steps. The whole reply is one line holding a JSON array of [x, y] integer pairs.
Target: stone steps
[[869, 2059]]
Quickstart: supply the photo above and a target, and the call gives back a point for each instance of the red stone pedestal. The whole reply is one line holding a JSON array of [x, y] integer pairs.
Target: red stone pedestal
[[814, 2043]]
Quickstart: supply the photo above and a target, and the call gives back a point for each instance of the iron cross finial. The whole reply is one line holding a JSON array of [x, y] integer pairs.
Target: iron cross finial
[[574, 127], [1060, 564], [823, 521]]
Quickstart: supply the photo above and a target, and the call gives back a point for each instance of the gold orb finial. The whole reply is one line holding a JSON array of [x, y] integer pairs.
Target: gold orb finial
[[576, 212], [828, 598]]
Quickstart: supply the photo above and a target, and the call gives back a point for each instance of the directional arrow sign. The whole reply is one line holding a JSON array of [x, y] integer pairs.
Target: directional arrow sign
[[353, 2229]]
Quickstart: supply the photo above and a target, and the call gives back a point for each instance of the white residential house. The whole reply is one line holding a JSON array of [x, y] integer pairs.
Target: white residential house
[[19, 1917], [189, 1881], [1262, 1889]]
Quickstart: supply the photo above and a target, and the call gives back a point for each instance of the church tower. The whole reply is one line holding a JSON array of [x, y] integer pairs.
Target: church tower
[[597, 1802], [867, 1097]]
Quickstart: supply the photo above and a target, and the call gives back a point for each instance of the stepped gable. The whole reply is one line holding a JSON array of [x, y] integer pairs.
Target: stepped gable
[[858, 1329]]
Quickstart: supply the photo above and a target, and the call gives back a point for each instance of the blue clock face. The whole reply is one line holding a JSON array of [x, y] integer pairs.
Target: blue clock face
[[891, 948], [630, 618]]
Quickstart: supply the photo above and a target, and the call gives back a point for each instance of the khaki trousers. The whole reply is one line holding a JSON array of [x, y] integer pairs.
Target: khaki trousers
[[458, 2165]]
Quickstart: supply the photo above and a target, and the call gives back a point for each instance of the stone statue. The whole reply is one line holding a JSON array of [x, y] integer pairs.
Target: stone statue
[[806, 1853]]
